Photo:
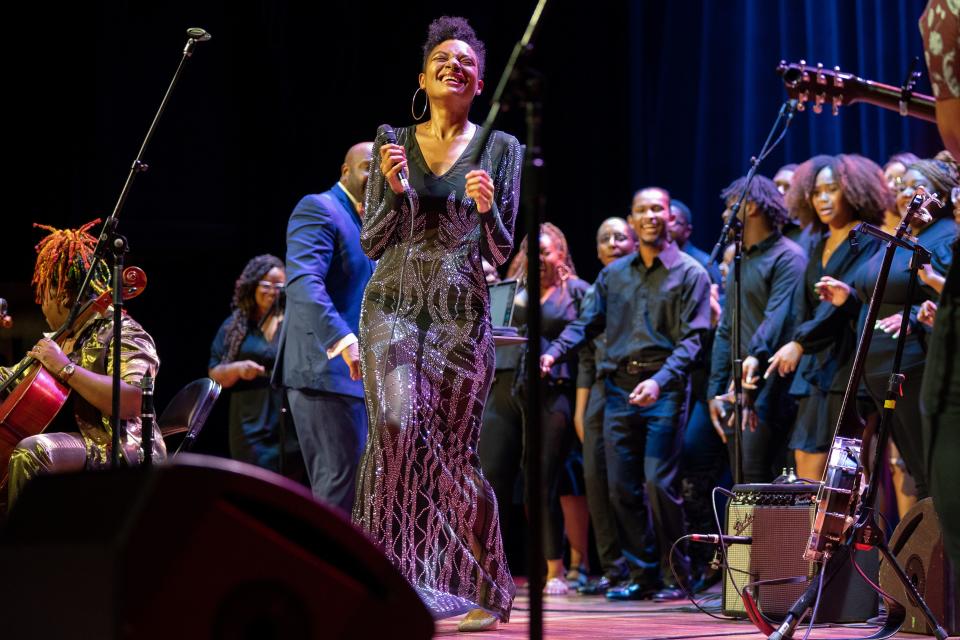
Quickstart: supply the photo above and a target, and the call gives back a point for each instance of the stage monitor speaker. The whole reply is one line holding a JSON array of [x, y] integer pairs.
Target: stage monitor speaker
[[199, 548], [779, 518], [917, 544]]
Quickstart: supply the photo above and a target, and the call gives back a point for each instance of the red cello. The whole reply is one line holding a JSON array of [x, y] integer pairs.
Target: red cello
[[38, 396]]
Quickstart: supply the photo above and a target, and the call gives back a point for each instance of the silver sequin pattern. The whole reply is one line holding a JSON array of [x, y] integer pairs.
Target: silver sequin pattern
[[428, 361]]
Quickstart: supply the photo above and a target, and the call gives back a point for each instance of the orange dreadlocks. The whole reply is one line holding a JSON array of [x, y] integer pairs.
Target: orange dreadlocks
[[63, 258]]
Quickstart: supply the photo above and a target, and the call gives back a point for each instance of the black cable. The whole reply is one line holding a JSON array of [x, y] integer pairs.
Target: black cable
[[816, 603], [686, 592]]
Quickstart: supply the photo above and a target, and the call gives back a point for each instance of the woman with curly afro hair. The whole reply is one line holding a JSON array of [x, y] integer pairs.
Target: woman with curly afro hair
[[937, 235], [838, 193]]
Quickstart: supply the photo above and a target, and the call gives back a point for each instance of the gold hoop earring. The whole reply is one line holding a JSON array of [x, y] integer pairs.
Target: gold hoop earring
[[412, 106]]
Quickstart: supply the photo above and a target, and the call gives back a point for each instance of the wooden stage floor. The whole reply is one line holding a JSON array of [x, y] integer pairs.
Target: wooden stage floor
[[594, 618]]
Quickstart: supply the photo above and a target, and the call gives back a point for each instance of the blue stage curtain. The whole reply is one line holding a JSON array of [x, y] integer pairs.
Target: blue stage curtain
[[705, 93]]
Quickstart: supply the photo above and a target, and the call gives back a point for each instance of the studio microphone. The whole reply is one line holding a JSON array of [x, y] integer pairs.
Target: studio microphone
[[715, 539], [387, 132]]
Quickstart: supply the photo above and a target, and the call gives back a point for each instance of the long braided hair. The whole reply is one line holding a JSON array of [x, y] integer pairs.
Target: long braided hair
[[244, 304], [63, 258]]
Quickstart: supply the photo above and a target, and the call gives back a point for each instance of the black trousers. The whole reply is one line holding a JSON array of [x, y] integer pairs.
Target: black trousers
[[643, 447], [501, 450], [906, 426], [596, 482], [332, 430]]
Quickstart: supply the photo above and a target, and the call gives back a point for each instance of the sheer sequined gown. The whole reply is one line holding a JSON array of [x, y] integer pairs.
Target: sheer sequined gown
[[428, 361]]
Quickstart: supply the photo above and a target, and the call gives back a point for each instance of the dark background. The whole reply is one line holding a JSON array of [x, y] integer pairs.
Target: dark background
[[679, 94]]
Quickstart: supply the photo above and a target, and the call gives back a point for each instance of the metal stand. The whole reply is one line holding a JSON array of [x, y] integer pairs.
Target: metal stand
[[866, 533], [533, 207], [109, 241], [734, 225]]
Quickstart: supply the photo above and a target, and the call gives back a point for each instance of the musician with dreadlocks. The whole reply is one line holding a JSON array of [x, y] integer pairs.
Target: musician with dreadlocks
[[85, 364], [241, 355]]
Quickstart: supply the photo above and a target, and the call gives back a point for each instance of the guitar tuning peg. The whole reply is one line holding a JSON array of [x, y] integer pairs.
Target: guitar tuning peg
[[837, 78], [818, 101], [821, 79], [803, 62], [837, 102]]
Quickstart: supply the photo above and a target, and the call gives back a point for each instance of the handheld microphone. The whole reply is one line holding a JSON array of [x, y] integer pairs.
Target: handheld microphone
[[391, 137], [715, 539]]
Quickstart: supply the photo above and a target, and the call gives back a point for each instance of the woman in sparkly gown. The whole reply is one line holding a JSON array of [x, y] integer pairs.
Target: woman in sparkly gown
[[425, 335]]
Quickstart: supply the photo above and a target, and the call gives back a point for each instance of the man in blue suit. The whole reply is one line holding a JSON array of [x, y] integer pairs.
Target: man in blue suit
[[318, 361]]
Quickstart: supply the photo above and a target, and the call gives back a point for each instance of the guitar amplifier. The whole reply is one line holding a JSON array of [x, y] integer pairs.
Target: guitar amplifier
[[779, 518]]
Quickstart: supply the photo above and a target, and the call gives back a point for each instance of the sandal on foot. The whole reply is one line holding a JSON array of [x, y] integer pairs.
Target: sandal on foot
[[478, 620], [556, 587], [577, 577]]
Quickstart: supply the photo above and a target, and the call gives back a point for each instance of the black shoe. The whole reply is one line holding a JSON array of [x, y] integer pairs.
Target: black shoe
[[669, 594], [600, 586], [633, 590]]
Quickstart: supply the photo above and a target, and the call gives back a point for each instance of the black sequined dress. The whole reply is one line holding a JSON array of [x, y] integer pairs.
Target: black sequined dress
[[428, 361]]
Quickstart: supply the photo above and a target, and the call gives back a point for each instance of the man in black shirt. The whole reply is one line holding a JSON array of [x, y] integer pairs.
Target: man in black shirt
[[680, 231], [654, 306], [771, 269]]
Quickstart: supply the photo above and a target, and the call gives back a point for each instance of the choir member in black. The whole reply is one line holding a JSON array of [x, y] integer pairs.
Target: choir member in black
[[893, 172], [654, 306], [243, 350], [842, 192], [501, 435], [940, 27], [771, 268], [940, 400], [801, 226], [615, 239], [783, 178], [937, 237], [681, 229], [703, 461]]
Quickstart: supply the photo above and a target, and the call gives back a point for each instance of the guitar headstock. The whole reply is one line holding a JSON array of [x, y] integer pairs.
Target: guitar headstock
[[817, 85]]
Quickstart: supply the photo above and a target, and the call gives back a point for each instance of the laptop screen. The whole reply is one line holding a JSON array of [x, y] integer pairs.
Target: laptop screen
[[501, 302]]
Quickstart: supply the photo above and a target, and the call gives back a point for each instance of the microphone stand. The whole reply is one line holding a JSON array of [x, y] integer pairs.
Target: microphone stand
[[865, 533], [734, 225], [110, 241], [533, 206]]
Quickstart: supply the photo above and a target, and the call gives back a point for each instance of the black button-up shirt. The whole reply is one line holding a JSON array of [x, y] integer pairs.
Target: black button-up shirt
[[770, 273], [655, 314]]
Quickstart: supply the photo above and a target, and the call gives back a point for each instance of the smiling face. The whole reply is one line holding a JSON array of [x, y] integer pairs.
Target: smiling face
[[827, 200], [452, 72], [910, 181], [552, 261], [268, 289], [614, 240], [650, 216], [893, 174]]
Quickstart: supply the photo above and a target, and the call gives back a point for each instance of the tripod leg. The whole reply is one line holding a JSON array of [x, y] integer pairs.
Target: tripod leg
[[912, 592]]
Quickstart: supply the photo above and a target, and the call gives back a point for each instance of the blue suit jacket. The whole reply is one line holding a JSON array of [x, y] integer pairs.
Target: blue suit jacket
[[327, 272]]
